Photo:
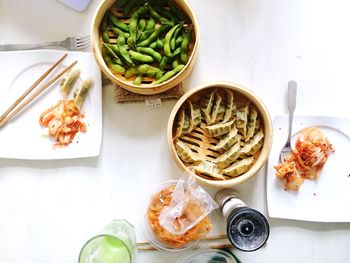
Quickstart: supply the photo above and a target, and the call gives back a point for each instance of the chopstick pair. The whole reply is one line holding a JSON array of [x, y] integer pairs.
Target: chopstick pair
[[16, 106]]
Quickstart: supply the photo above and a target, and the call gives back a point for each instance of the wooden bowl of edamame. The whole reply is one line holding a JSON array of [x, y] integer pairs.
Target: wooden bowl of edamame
[[221, 133], [145, 46]]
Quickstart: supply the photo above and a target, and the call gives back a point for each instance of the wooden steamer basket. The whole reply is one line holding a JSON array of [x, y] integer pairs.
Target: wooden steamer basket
[[200, 139], [145, 88]]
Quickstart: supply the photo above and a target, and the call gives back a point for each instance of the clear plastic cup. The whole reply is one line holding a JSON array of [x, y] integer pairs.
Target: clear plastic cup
[[114, 244]]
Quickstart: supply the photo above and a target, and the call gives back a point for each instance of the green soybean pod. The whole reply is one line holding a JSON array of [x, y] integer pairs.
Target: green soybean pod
[[175, 63], [104, 29], [131, 43], [163, 62], [153, 45], [137, 81], [153, 36], [150, 51], [128, 6], [130, 72], [160, 43], [168, 36], [142, 24], [115, 22], [145, 34], [164, 12], [147, 69], [114, 66], [159, 75], [173, 38], [158, 17], [151, 23], [169, 74], [123, 50], [178, 41], [140, 57], [184, 46], [118, 32], [134, 20], [114, 52]]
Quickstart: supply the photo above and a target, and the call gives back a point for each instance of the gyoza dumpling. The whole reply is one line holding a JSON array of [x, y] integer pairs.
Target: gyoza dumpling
[[67, 81], [227, 141], [196, 116], [253, 145], [81, 91], [180, 122], [229, 156], [206, 104], [239, 167], [218, 111], [230, 106], [251, 123], [185, 153], [210, 169], [242, 119], [217, 130]]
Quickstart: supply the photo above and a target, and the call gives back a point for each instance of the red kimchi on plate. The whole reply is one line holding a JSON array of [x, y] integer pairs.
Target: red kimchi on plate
[[306, 161]]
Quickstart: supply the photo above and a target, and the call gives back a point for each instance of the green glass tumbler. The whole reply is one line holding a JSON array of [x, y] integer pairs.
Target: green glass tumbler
[[116, 243]]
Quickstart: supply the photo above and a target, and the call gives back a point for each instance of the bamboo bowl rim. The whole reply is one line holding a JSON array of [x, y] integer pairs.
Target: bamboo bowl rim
[[146, 89], [265, 116]]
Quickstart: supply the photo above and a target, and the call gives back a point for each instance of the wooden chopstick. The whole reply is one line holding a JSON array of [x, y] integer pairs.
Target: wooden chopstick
[[214, 246], [36, 83], [210, 238], [35, 94]]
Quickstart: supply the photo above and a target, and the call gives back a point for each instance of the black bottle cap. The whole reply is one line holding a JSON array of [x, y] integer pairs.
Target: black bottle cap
[[247, 229]]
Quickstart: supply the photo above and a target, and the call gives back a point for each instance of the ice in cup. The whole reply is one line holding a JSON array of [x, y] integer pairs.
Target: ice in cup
[[115, 244]]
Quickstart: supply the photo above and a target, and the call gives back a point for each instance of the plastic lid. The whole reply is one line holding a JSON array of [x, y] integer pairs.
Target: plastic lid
[[209, 256], [247, 229]]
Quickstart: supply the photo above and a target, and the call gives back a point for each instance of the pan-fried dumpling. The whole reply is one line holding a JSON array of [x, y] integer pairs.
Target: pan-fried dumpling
[[180, 122], [217, 130], [253, 144], [239, 167], [185, 153], [67, 81], [206, 104], [81, 92], [257, 125], [218, 111], [196, 116], [242, 119], [227, 141], [230, 106], [210, 169], [251, 123], [229, 156]]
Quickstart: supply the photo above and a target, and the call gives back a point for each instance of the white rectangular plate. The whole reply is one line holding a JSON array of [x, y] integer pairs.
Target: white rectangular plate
[[23, 137], [325, 199]]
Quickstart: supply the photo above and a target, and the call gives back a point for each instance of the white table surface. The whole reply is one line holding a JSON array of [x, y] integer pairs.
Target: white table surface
[[49, 208]]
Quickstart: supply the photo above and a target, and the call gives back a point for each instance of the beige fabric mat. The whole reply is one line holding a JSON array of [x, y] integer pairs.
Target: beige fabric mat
[[123, 96]]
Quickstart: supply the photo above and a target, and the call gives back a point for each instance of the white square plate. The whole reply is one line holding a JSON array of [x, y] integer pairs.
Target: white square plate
[[23, 137], [325, 199]]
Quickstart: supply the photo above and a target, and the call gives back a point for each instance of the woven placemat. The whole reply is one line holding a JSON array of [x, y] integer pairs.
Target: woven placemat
[[123, 96]]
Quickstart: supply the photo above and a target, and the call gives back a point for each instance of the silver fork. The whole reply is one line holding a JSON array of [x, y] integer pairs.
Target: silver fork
[[292, 93], [70, 43]]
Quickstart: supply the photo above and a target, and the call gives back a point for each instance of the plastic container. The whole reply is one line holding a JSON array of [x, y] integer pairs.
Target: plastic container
[[209, 256], [152, 237]]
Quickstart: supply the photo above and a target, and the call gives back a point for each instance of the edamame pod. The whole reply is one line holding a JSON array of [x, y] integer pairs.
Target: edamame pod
[[150, 24], [164, 12], [145, 34], [134, 20], [184, 46], [142, 24], [163, 62], [146, 69], [115, 22], [160, 43], [137, 81], [114, 66], [175, 63], [104, 29], [176, 52], [178, 41], [123, 50], [150, 51], [169, 74], [153, 36], [153, 45], [131, 44], [140, 57], [168, 36], [158, 17], [130, 72], [173, 38], [114, 52], [118, 32]]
